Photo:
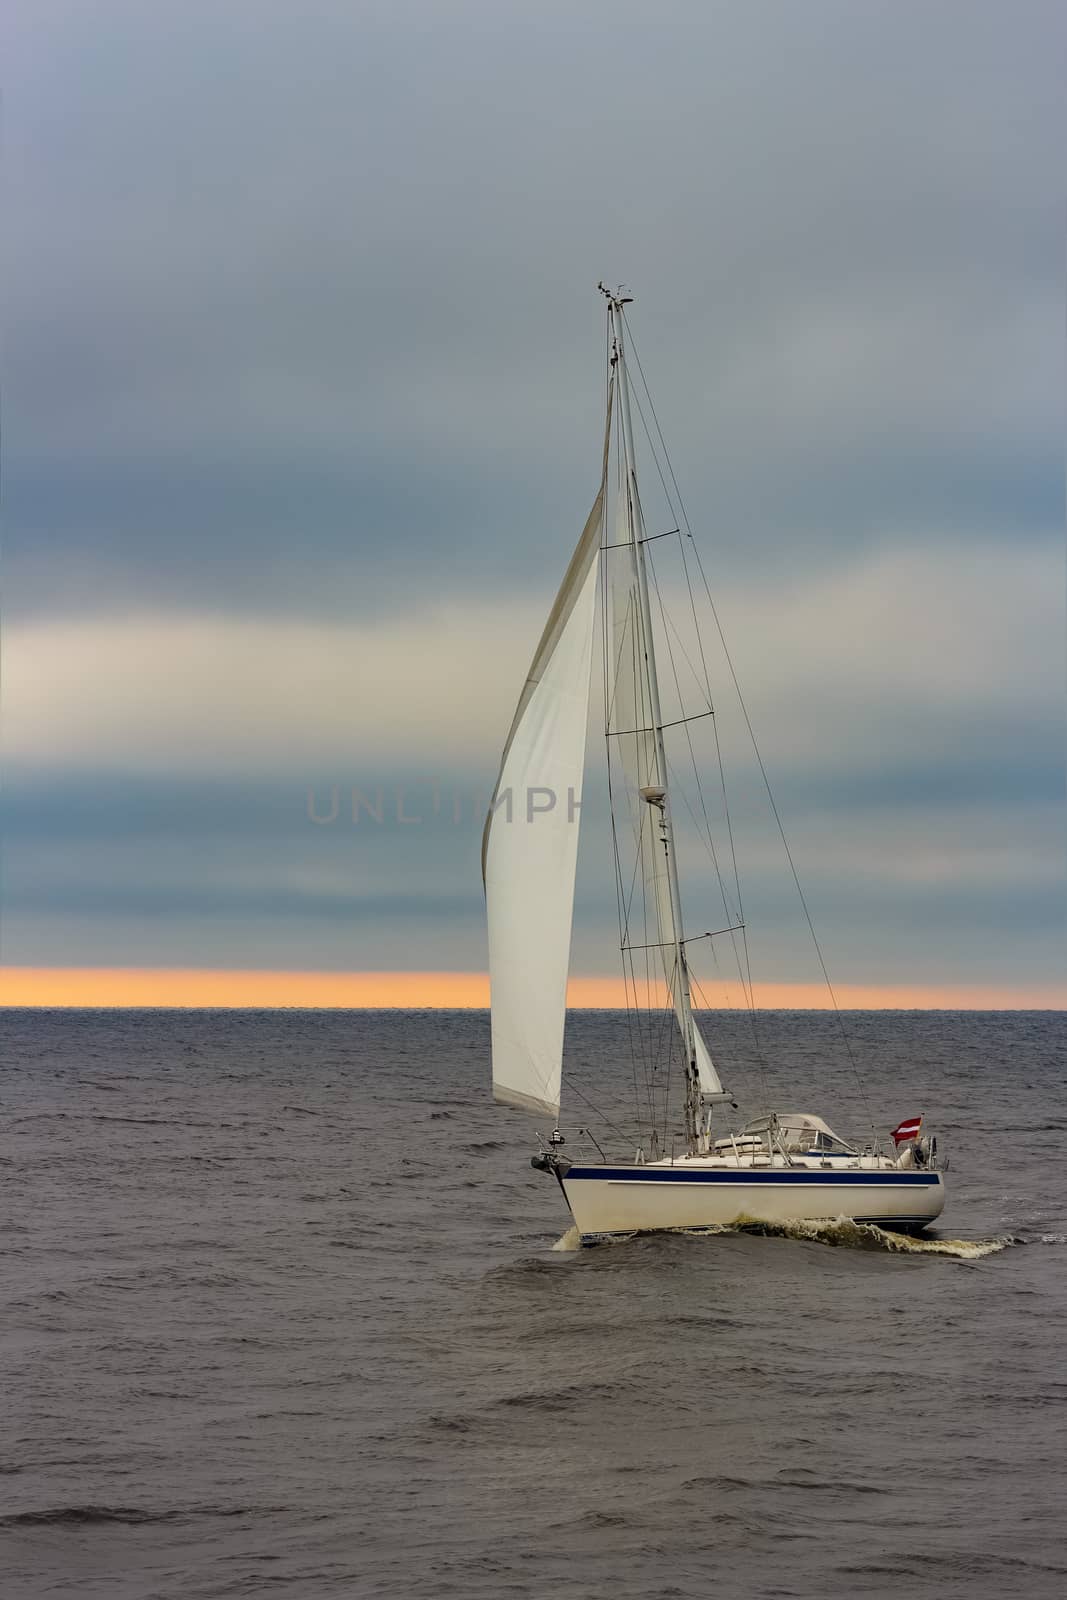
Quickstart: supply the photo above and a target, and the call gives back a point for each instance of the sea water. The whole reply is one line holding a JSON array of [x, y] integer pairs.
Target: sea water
[[287, 1313]]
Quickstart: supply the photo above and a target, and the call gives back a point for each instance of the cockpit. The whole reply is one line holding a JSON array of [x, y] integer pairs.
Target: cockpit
[[788, 1134]]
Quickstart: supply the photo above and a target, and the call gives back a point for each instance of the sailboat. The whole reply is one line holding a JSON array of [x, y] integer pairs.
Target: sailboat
[[697, 1164]]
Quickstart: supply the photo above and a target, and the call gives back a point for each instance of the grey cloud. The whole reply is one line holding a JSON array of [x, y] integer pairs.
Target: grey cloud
[[301, 323], [294, 296], [133, 871]]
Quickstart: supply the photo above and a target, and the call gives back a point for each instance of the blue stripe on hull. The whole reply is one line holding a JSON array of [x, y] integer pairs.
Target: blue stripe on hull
[[777, 1176]]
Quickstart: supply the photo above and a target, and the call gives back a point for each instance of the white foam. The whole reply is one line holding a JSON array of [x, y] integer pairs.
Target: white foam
[[841, 1232], [867, 1235]]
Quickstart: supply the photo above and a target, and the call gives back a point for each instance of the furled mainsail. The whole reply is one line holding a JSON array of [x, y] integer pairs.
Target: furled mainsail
[[635, 766]]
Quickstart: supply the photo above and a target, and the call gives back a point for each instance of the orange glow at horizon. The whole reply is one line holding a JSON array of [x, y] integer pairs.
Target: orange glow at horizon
[[205, 988]]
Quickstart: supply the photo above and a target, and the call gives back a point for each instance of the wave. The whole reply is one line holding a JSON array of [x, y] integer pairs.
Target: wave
[[77, 1516], [553, 1400], [84, 1515], [842, 1232]]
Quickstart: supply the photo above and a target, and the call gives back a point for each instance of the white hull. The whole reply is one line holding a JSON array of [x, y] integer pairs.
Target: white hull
[[613, 1200]]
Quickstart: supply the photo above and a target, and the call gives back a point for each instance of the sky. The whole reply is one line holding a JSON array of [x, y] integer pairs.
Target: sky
[[302, 391]]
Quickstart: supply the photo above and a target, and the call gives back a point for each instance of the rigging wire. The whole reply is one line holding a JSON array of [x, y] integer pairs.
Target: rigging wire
[[625, 682], [615, 839], [707, 830], [744, 970], [622, 901], [689, 587], [657, 1040], [614, 1126], [745, 976], [684, 521]]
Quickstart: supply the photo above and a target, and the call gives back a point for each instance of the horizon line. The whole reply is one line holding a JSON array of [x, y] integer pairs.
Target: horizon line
[[203, 988]]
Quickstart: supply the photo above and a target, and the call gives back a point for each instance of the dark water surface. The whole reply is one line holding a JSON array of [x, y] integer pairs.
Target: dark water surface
[[282, 1317]]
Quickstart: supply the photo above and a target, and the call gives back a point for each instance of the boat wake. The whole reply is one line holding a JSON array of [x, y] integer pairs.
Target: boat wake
[[868, 1236], [842, 1232]]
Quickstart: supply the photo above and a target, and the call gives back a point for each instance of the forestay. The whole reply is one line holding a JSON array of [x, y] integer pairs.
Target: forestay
[[530, 842]]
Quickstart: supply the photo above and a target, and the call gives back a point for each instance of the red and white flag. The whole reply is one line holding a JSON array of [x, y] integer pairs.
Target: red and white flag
[[907, 1130]]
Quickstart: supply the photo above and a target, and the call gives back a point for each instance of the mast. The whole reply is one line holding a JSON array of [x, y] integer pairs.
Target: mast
[[656, 796]]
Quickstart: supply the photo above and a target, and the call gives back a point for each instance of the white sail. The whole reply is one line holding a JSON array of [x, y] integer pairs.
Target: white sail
[[530, 843], [709, 1077], [631, 735]]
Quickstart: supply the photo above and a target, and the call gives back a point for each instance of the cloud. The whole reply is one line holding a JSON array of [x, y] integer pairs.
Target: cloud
[[302, 405], [890, 661], [908, 711], [341, 321]]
